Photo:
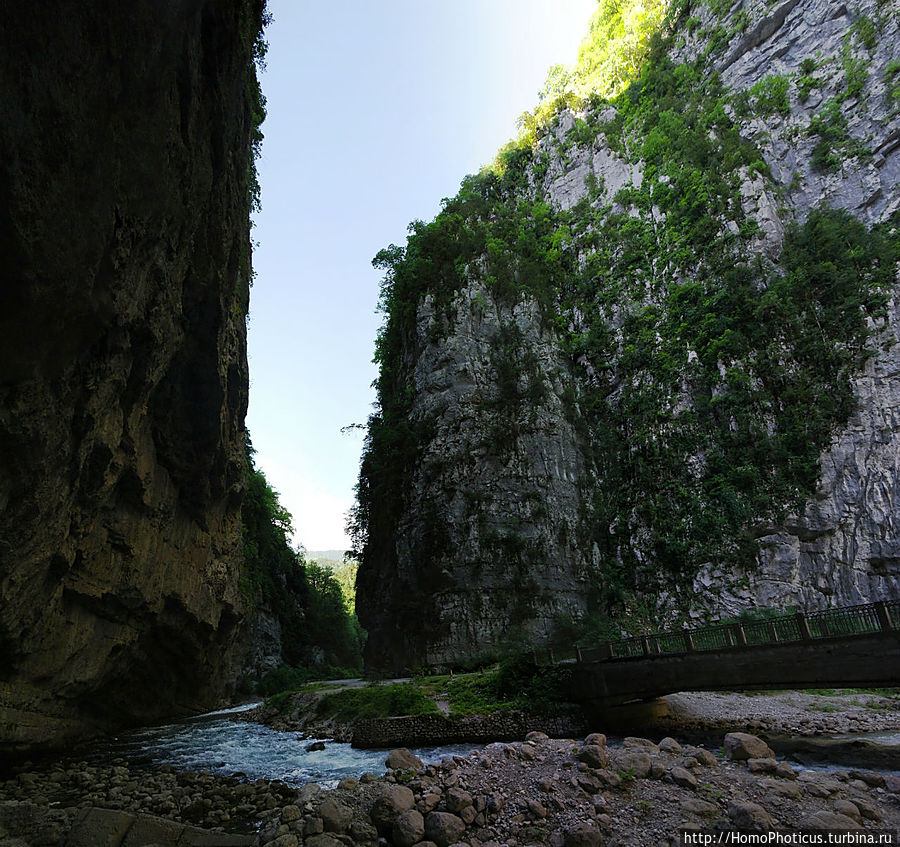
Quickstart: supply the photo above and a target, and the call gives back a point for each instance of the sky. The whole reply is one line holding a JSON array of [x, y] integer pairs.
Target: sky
[[376, 111]]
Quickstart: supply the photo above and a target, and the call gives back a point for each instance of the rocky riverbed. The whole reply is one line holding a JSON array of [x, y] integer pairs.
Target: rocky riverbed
[[558, 792]]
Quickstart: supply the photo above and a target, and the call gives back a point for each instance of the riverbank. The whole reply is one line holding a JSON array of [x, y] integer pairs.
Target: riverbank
[[782, 713], [557, 792], [695, 716], [843, 728]]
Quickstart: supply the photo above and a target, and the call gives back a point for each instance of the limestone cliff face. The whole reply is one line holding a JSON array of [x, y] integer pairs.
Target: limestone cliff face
[[843, 546], [124, 199], [501, 467], [630, 380]]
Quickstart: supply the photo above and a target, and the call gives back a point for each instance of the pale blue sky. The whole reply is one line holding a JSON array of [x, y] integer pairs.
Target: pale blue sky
[[376, 111]]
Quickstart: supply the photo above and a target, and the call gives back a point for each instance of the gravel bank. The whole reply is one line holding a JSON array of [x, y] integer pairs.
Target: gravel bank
[[558, 792], [781, 713]]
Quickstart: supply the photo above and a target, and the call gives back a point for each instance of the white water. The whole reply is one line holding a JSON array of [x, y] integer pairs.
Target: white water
[[216, 743], [224, 747]]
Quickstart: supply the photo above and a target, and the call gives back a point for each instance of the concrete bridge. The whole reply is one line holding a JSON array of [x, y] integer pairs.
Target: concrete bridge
[[857, 646]]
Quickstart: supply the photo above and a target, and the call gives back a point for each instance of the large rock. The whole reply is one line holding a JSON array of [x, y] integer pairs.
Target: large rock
[[741, 746], [586, 834], [402, 759], [408, 829], [745, 814], [443, 828], [825, 821], [593, 755], [124, 238], [683, 777], [634, 761], [389, 805], [335, 815]]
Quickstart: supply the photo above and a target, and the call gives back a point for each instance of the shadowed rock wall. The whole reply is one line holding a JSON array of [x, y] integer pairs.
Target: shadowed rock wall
[[124, 247]]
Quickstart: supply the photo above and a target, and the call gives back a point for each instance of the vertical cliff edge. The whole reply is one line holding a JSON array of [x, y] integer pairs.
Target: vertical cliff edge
[[644, 368], [125, 190]]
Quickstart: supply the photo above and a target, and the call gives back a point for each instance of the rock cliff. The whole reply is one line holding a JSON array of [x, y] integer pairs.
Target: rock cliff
[[125, 187], [646, 367]]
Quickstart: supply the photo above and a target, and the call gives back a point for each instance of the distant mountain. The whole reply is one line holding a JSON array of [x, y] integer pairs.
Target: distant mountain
[[324, 557]]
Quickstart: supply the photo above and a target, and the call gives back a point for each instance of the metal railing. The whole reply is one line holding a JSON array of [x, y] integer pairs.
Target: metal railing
[[882, 616]]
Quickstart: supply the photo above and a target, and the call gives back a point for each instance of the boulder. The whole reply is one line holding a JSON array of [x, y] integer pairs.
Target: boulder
[[402, 759], [845, 807], [389, 805], [785, 771], [645, 743], [741, 746], [335, 815], [867, 808], [871, 778], [408, 829], [762, 765], [699, 807], [670, 746], [444, 828], [308, 791], [634, 761], [825, 821], [363, 832], [456, 800], [536, 810], [290, 813], [585, 834], [593, 755], [683, 777], [750, 816], [702, 756], [313, 825]]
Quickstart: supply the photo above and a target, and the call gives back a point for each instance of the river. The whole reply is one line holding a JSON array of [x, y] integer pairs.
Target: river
[[217, 743]]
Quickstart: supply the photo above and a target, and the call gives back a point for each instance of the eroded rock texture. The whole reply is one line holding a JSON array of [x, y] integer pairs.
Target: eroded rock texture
[[585, 366], [124, 164], [486, 552]]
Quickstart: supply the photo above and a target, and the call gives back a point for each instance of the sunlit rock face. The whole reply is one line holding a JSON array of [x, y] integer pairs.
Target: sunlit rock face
[[124, 161], [843, 546], [512, 511]]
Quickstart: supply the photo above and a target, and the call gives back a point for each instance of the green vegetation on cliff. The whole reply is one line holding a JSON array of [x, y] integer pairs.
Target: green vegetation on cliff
[[610, 57], [707, 378], [256, 18]]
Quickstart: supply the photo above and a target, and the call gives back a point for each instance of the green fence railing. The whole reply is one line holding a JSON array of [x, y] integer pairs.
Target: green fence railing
[[882, 616]]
